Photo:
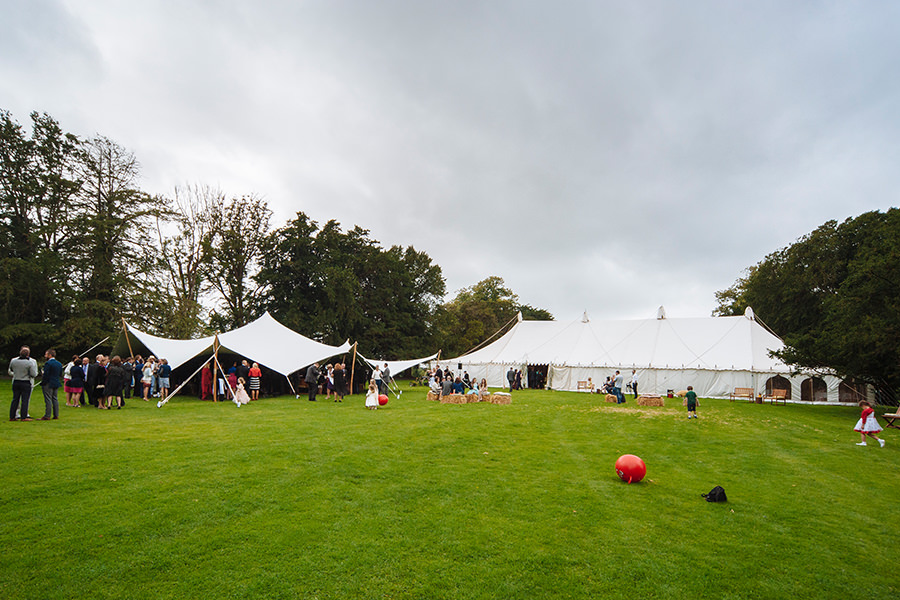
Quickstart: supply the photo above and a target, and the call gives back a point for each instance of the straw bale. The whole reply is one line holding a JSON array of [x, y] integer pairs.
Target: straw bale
[[611, 398], [650, 400], [434, 396], [473, 398], [453, 399], [501, 398]]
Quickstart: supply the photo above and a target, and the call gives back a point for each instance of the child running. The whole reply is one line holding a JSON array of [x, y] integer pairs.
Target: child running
[[372, 396], [867, 424], [690, 400]]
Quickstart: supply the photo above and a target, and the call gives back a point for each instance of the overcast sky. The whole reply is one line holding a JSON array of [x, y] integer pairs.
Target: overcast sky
[[607, 156]]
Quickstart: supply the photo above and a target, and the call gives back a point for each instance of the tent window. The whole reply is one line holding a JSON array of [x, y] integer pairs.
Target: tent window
[[850, 391], [813, 389], [778, 383]]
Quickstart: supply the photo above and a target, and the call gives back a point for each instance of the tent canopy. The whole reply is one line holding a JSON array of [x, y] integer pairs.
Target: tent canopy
[[398, 366], [265, 341], [715, 343]]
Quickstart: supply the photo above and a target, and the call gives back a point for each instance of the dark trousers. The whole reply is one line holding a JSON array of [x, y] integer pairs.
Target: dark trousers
[[313, 388], [21, 396], [634, 389], [51, 401], [617, 392]]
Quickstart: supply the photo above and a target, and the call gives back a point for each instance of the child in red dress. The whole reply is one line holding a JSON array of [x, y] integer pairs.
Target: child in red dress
[[867, 424]]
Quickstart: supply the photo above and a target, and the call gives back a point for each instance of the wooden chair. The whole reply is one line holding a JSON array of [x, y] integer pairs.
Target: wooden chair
[[740, 392], [585, 386], [776, 396], [890, 418]]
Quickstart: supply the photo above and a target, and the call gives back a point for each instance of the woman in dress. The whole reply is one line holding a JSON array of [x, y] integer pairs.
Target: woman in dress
[[147, 378], [339, 379], [483, 389], [255, 375], [115, 383], [69, 390], [329, 382], [75, 383]]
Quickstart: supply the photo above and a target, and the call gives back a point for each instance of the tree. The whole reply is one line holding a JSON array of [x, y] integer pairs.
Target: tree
[[334, 285], [112, 229], [834, 298], [478, 312], [185, 256], [242, 226], [37, 187]]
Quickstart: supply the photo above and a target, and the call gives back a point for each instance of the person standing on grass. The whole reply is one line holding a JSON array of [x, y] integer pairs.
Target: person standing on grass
[[312, 380], [386, 378], [617, 388], [116, 382], [50, 385], [634, 383], [868, 424], [690, 400], [23, 371], [74, 373], [511, 378], [339, 382], [255, 374], [147, 377], [164, 372]]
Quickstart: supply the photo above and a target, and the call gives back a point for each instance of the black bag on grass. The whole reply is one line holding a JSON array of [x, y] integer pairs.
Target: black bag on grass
[[717, 494]]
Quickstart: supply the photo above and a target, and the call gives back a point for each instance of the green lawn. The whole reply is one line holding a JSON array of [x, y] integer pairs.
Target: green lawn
[[286, 498]]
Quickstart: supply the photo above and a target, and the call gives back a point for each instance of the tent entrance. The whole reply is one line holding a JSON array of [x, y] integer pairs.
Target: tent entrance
[[537, 376]]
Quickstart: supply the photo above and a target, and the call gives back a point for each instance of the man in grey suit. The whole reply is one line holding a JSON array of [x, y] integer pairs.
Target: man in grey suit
[[312, 381]]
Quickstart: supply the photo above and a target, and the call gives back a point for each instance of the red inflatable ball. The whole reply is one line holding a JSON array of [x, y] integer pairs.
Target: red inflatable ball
[[382, 399], [631, 468]]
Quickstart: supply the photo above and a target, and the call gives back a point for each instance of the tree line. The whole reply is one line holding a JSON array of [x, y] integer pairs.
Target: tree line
[[834, 298], [83, 247]]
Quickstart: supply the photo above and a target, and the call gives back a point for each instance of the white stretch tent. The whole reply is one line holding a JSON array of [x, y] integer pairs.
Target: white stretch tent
[[712, 354], [265, 341], [398, 366]]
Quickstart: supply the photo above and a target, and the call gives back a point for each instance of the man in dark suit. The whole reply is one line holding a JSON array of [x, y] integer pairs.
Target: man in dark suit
[[312, 381], [92, 380]]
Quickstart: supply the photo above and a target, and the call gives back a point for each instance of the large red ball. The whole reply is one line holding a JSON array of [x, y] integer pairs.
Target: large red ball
[[382, 399], [631, 468]]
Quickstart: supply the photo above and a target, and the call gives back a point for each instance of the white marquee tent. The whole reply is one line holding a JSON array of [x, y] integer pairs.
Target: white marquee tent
[[265, 341], [713, 354]]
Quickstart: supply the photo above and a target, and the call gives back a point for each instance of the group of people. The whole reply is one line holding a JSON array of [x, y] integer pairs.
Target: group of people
[[444, 382], [102, 383], [335, 380], [514, 378], [240, 383], [613, 386]]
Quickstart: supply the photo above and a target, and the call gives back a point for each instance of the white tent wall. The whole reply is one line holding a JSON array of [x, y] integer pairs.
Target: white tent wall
[[712, 354]]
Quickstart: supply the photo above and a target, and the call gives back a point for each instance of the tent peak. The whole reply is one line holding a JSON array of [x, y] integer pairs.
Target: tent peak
[[748, 312], [661, 313], [585, 318]]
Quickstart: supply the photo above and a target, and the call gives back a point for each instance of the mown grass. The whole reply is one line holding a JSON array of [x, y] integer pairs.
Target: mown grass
[[290, 499]]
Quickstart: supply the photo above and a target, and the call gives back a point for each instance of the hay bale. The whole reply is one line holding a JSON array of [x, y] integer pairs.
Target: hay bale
[[501, 398], [433, 396], [681, 394], [611, 398], [453, 399], [472, 398], [650, 400]]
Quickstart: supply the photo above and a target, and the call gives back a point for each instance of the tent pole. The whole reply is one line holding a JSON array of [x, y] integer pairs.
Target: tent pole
[[353, 368], [165, 401], [128, 341], [230, 389], [215, 377], [291, 384]]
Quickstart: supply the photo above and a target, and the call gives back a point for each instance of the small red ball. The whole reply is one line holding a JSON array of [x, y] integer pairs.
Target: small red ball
[[382, 399], [631, 468]]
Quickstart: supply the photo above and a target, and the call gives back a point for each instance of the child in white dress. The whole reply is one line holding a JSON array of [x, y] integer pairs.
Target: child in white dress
[[240, 394], [372, 397], [867, 424]]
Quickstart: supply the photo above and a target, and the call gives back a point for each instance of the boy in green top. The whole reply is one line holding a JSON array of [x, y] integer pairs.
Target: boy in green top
[[690, 400]]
